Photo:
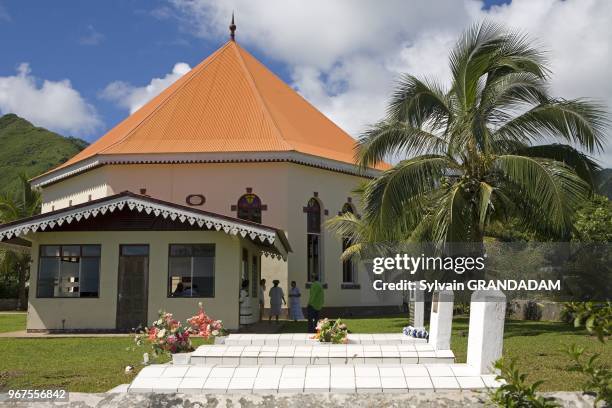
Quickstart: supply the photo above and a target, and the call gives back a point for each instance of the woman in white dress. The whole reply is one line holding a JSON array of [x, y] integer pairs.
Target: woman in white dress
[[277, 298], [295, 308]]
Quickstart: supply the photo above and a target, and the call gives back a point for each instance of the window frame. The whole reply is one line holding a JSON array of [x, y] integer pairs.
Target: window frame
[[214, 270], [41, 257], [315, 234], [348, 264]]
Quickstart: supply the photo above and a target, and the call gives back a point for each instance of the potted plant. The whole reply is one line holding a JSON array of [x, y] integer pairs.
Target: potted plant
[[329, 331]]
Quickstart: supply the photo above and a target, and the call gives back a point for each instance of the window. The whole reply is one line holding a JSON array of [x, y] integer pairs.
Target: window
[[67, 271], [254, 277], [249, 208], [191, 270], [348, 268], [313, 228]]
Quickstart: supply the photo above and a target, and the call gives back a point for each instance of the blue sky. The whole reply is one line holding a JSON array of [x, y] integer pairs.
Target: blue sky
[[93, 43], [79, 67]]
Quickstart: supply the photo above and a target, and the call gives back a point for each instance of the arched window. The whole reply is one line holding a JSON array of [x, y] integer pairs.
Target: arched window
[[313, 230], [249, 208], [348, 268]]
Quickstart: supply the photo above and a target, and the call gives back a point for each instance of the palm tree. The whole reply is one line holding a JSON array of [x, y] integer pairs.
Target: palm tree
[[482, 149], [15, 264]]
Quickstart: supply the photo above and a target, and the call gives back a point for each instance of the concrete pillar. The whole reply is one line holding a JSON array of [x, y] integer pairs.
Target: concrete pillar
[[441, 321], [418, 308], [486, 332]]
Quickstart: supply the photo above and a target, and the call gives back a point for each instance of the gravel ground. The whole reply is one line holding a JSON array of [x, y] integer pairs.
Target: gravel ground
[[424, 400]]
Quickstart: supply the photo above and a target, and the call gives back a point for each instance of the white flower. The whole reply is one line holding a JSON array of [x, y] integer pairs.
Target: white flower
[[161, 333], [215, 332]]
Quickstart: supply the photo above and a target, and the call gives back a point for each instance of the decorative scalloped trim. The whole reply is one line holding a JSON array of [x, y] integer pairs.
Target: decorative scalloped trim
[[134, 204]]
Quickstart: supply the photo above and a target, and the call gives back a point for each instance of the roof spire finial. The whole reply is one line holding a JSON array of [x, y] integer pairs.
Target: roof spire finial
[[232, 28]]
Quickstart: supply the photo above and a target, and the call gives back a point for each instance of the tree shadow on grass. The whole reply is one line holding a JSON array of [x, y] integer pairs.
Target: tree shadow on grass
[[518, 328]]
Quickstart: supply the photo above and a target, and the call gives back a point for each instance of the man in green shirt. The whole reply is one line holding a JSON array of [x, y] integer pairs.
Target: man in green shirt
[[316, 299]]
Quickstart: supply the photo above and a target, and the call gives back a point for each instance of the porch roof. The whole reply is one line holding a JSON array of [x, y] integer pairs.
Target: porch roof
[[272, 241]]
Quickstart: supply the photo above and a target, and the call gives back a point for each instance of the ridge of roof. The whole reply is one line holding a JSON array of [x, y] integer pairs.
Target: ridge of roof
[[257, 93]]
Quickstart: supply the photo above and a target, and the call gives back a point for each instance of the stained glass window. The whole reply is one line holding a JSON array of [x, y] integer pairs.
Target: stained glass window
[[249, 208], [313, 228]]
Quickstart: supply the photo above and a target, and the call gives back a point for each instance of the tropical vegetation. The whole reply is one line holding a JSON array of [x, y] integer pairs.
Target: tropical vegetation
[[15, 264], [492, 145]]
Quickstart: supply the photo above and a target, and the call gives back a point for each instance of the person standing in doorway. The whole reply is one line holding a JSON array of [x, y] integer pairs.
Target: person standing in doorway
[[277, 298], [295, 308], [262, 300], [316, 299]]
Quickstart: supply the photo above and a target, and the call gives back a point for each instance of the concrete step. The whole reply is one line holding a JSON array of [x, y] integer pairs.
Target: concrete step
[[267, 379], [320, 354], [289, 339]]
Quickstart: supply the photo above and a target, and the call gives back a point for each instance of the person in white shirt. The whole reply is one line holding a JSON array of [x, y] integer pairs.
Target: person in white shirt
[[277, 298]]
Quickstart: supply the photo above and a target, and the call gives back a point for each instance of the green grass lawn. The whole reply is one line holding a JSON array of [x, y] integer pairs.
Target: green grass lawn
[[10, 322], [97, 364]]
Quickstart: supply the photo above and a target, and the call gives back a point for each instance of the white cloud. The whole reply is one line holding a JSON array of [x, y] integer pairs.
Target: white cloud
[[133, 97], [51, 104], [92, 36], [344, 55]]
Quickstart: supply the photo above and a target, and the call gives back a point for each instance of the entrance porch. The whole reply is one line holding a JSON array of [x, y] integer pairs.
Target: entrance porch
[[112, 264]]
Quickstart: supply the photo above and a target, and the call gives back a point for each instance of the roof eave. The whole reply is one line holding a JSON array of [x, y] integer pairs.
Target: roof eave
[[216, 157]]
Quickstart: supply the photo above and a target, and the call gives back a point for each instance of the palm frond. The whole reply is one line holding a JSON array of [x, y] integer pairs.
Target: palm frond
[[485, 202], [393, 137], [578, 121], [387, 196], [553, 187], [418, 101], [583, 165]]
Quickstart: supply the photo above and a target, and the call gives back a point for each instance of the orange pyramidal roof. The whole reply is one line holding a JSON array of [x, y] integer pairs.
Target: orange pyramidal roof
[[230, 102]]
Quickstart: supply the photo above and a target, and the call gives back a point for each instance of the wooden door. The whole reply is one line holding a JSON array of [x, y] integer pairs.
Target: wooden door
[[133, 286]]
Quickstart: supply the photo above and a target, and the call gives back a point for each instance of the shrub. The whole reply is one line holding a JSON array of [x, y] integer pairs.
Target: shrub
[[515, 392], [599, 378], [595, 316], [331, 331]]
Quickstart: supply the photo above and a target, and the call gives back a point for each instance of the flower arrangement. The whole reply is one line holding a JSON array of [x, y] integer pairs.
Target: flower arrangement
[[168, 335], [331, 331], [417, 332], [204, 326]]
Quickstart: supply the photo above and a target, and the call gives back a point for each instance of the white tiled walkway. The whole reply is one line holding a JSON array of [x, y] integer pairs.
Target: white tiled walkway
[[403, 353], [230, 378]]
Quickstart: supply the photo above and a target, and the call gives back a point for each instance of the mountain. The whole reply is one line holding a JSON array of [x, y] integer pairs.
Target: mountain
[[604, 182], [25, 148]]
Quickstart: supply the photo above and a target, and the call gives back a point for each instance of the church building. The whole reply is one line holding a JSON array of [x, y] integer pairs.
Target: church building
[[226, 176]]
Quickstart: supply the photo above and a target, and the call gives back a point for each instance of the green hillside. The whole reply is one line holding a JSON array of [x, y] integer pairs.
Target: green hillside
[[25, 148]]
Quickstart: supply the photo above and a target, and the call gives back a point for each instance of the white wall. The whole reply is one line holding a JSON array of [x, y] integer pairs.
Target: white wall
[[284, 187], [100, 313]]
